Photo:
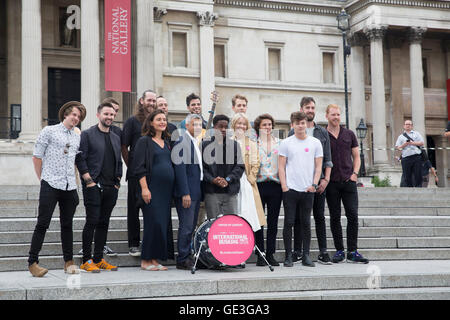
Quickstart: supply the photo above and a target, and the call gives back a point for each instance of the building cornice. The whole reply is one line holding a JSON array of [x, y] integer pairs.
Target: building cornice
[[355, 6], [332, 10]]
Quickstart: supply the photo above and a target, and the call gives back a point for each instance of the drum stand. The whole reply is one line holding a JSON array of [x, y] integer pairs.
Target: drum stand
[[197, 255]]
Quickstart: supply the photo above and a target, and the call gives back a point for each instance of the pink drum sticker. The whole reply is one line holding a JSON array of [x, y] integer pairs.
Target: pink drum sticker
[[231, 240]]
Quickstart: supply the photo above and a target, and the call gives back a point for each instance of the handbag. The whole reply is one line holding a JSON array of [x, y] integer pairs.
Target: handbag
[[423, 152]]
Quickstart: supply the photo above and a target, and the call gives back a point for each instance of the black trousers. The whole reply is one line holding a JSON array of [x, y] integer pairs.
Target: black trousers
[[99, 205], [412, 170], [346, 192], [297, 207], [48, 198], [319, 220], [271, 195], [133, 223]]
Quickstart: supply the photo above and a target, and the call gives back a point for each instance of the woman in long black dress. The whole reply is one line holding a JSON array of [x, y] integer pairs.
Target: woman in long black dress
[[153, 168]]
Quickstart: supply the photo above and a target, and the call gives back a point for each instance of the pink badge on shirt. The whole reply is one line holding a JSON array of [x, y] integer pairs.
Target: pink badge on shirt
[[306, 149]]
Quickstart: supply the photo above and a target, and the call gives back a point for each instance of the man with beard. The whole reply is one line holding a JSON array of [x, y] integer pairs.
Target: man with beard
[[308, 106], [132, 131], [100, 166]]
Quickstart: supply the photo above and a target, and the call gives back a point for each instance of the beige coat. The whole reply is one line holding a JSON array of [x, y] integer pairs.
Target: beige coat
[[250, 156]]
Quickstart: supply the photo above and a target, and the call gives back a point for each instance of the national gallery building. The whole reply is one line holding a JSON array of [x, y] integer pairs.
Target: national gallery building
[[274, 52]]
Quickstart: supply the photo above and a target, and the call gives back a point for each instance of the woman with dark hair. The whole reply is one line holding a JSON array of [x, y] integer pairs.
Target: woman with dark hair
[[268, 184], [154, 171]]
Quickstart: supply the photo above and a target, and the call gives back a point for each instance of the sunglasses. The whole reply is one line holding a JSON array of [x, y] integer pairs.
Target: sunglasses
[[66, 149]]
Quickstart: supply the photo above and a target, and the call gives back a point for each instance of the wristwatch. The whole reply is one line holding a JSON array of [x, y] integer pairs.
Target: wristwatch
[[228, 179], [315, 186], [355, 173]]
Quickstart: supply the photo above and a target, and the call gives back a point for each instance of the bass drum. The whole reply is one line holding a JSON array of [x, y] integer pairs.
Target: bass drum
[[226, 241]]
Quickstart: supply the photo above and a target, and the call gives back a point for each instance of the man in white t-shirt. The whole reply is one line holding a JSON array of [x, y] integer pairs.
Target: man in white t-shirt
[[299, 168]]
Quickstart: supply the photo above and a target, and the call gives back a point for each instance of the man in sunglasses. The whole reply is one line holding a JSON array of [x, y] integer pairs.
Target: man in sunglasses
[[54, 163]]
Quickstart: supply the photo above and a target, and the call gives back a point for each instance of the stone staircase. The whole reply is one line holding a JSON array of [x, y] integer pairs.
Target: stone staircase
[[395, 224], [404, 232]]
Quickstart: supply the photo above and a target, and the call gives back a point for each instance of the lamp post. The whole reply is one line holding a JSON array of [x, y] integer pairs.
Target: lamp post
[[343, 20], [361, 132]]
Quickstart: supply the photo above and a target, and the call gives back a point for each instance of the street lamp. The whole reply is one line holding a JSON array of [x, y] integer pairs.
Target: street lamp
[[343, 20], [361, 132]]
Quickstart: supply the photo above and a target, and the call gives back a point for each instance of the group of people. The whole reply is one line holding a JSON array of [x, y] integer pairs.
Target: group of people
[[203, 172]]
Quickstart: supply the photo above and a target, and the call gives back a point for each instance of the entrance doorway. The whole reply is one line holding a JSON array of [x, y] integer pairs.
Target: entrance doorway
[[64, 85]]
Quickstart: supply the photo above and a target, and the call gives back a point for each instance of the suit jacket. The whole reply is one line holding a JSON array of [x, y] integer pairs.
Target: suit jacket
[[92, 152], [233, 170], [187, 169]]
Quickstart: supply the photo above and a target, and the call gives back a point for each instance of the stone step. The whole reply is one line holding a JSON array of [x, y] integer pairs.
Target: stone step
[[121, 211], [124, 260], [395, 279], [18, 237], [54, 248], [362, 294], [28, 224]]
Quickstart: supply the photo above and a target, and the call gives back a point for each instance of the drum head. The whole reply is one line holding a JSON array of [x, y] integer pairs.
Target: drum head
[[231, 240]]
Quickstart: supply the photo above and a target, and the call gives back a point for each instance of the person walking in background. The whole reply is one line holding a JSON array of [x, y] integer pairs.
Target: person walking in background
[[132, 130], [268, 183], [187, 161], [249, 201], [427, 171], [300, 168], [54, 163], [342, 186], [409, 143], [100, 165], [154, 171]]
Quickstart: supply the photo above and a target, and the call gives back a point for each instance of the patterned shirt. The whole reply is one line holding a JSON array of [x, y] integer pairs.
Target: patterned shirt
[[58, 146], [268, 171]]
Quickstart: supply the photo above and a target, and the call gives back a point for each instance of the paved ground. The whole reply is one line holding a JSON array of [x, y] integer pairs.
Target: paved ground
[[135, 283]]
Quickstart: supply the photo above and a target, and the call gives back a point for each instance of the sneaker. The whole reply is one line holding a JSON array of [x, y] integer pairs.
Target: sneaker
[[135, 252], [339, 257], [288, 261], [103, 265], [297, 256], [71, 268], [324, 258], [307, 262], [260, 262], [109, 252], [355, 257], [37, 271], [185, 265], [90, 266]]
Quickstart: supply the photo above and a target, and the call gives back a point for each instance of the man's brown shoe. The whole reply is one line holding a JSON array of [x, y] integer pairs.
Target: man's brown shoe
[[37, 271], [71, 268]]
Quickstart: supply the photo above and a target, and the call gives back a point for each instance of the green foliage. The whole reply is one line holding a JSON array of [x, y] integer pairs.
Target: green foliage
[[386, 182]]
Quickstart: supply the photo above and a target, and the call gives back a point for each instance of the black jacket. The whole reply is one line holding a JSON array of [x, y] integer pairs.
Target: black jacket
[[92, 151], [232, 170]]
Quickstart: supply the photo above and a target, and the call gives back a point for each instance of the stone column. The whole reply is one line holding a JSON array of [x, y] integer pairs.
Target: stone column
[[358, 97], [207, 75], [90, 60], [415, 35], [31, 70], [376, 35], [158, 14], [145, 56]]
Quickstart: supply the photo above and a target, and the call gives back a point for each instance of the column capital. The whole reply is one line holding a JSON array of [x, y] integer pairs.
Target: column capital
[[357, 39], [415, 34], [376, 32], [207, 18], [158, 14]]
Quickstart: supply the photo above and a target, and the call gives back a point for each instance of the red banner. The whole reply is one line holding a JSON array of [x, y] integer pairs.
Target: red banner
[[448, 99], [118, 45]]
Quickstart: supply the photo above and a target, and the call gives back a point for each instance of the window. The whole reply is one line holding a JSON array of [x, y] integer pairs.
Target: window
[[328, 67], [219, 60], [179, 49], [274, 64]]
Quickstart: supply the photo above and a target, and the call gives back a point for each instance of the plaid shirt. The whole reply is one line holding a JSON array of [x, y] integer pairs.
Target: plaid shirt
[[58, 146]]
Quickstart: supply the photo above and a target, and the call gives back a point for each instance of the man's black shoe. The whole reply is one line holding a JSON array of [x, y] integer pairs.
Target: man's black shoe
[[260, 261], [307, 262], [324, 258], [288, 262], [297, 256], [185, 265], [271, 260]]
